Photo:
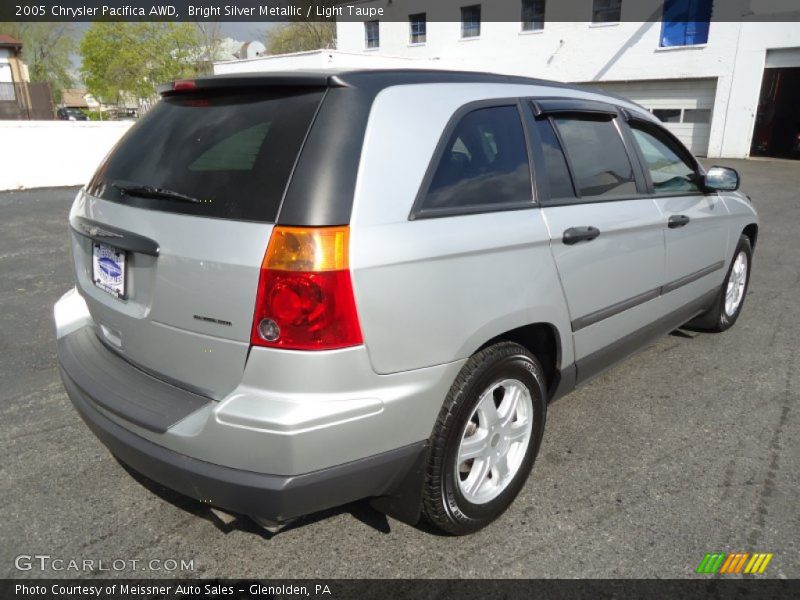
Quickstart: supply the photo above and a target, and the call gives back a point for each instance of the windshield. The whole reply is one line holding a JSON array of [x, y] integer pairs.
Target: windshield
[[232, 152]]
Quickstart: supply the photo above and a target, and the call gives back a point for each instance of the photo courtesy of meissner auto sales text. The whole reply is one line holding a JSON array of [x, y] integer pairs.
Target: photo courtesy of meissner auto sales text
[[399, 299]]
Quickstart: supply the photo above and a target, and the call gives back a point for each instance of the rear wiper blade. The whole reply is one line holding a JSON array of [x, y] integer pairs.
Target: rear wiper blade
[[148, 191]]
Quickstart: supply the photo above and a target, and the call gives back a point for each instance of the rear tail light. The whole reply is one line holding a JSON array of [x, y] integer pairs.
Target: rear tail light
[[305, 295], [183, 85]]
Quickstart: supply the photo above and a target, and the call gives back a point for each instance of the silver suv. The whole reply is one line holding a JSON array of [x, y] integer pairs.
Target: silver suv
[[297, 290]]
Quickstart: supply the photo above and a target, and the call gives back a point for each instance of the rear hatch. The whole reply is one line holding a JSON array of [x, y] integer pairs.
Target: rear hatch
[[169, 236]]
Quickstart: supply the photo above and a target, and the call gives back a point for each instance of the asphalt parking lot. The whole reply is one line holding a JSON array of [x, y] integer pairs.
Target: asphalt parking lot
[[689, 447]]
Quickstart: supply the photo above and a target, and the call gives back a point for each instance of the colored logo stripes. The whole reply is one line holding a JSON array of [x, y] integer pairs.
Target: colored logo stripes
[[737, 562]]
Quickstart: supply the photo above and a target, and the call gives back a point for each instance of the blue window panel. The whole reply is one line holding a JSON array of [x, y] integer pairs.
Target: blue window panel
[[685, 22]]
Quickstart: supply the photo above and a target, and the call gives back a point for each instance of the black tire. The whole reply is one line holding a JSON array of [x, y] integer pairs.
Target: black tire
[[443, 503], [716, 319]]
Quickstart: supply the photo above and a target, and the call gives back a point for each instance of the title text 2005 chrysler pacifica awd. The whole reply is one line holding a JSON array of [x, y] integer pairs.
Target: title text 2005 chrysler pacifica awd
[[298, 290]]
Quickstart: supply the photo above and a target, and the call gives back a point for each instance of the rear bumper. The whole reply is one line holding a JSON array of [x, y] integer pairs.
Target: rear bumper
[[292, 413], [301, 433], [273, 497]]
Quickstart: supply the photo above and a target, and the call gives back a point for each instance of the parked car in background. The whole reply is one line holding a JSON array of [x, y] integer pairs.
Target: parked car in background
[[297, 290], [71, 114]]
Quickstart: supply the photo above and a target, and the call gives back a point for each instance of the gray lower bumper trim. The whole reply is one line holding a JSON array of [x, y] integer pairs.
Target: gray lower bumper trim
[[119, 387], [272, 497]]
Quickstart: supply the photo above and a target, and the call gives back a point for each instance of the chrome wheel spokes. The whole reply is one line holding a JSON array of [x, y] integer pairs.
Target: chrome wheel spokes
[[494, 441], [734, 291]]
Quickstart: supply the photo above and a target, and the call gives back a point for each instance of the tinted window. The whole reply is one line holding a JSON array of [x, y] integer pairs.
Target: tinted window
[[697, 115], [606, 11], [235, 153], [471, 21], [484, 163], [669, 171], [372, 34], [668, 115], [532, 15], [417, 28], [557, 172], [597, 155]]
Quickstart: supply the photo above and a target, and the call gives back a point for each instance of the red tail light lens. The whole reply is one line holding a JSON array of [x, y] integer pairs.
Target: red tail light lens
[[305, 295]]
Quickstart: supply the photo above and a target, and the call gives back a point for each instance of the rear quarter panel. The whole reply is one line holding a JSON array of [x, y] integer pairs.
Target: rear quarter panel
[[432, 291]]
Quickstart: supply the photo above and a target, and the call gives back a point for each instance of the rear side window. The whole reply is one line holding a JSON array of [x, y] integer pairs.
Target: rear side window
[[232, 153], [484, 163], [599, 161]]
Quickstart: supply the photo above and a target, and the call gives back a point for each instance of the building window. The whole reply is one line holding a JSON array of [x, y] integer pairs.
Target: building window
[[685, 22], [7, 92], [417, 28], [372, 36], [679, 115], [697, 115], [532, 15], [471, 21], [667, 115], [606, 11]]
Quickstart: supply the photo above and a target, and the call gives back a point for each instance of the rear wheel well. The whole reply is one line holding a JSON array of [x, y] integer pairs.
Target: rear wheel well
[[751, 231], [541, 340]]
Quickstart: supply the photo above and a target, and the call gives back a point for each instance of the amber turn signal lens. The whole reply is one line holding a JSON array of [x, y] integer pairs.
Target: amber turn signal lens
[[314, 249], [305, 297]]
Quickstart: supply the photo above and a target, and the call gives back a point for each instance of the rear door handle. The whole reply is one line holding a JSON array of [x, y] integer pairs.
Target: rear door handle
[[676, 221], [573, 235]]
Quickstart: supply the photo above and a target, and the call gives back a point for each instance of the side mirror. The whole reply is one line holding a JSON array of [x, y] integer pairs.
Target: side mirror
[[721, 179]]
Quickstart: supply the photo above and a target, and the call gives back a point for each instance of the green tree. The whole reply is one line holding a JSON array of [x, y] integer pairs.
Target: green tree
[[47, 49], [135, 58], [209, 46], [299, 36]]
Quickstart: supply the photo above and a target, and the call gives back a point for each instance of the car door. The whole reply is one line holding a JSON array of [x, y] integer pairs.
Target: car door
[[695, 231], [606, 235]]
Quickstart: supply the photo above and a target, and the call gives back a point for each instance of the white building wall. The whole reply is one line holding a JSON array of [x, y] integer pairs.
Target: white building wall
[[54, 153], [585, 52], [316, 59], [745, 81]]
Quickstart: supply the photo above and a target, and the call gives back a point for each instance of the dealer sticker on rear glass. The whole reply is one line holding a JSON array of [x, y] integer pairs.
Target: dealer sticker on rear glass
[[108, 269]]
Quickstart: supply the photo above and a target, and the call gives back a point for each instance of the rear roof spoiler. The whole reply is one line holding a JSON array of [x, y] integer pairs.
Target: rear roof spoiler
[[255, 80]]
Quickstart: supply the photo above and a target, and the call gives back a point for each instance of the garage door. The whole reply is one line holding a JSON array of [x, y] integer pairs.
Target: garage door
[[685, 106]]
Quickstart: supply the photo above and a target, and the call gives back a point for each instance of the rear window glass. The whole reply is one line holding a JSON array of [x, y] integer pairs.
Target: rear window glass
[[225, 156]]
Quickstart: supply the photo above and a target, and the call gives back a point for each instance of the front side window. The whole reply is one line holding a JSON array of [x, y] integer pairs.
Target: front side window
[[670, 171], [556, 171], [606, 11], [532, 15], [484, 163], [372, 38], [471, 21], [417, 28], [599, 161]]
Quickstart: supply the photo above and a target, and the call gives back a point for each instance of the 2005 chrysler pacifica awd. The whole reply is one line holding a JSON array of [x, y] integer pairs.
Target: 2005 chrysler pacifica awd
[[298, 290]]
